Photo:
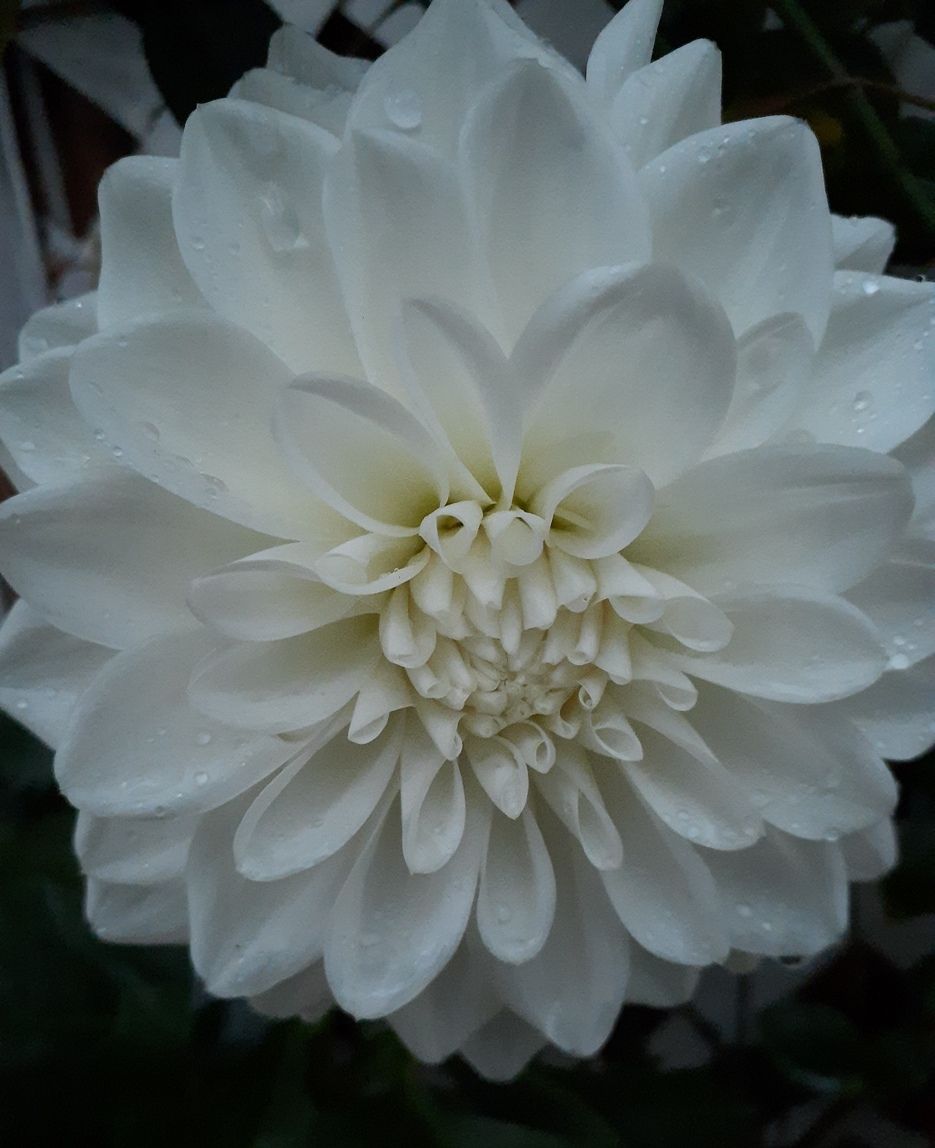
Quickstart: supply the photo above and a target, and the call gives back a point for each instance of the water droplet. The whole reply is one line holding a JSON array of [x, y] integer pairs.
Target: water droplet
[[870, 287], [201, 778], [198, 243], [280, 222], [22, 705], [743, 909], [503, 913], [899, 662], [403, 110], [862, 400], [117, 452], [203, 738], [151, 431]]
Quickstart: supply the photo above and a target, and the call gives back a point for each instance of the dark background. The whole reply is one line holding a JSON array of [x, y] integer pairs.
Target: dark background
[[106, 1045]]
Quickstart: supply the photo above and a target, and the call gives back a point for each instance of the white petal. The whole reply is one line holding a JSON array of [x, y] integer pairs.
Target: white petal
[[664, 102], [296, 54], [572, 791], [917, 454], [48, 439], [501, 771], [782, 896], [273, 594], [247, 936], [516, 899], [370, 564], [449, 1010], [874, 373], [110, 559], [392, 931], [312, 808], [133, 850], [141, 266], [862, 243], [575, 1010], [137, 914], [696, 799], [290, 684], [593, 511], [43, 671], [305, 994], [502, 1048], [658, 983], [792, 646], [871, 852], [432, 804], [397, 225], [743, 207], [456, 370], [896, 712], [188, 399], [248, 214], [814, 516], [774, 364], [426, 84], [521, 186], [663, 892], [585, 359], [362, 452], [899, 598], [61, 325], [326, 108], [625, 45], [806, 771], [136, 748]]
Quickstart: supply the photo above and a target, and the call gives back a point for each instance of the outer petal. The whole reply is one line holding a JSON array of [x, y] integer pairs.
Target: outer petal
[[917, 454], [871, 852], [398, 227], [522, 188], [862, 243], [896, 712], [815, 516], [792, 646], [782, 896], [304, 994], [503, 1047], [137, 914], [585, 359], [899, 598], [663, 103], [658, 983], [516, 899], [449, 1010], [361, 452], [663, 893], [393, 931], [299, 56], [287, 685], [314, 807], [774, 364], [576, 1010], [48, 439], [625, 45], [61, 325], [136, 748], [807, 771], [141, 266], [188, 399], [248, 213], [43, 671], [133, 850], [743, 207], [874, 381], [110, 559], [247, 936], [426, 84]]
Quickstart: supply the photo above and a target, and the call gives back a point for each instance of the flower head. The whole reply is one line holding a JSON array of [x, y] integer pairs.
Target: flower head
[[470, 564]]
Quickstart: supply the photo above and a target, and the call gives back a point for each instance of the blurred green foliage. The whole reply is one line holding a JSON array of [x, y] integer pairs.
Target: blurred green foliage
[[118, 1046]]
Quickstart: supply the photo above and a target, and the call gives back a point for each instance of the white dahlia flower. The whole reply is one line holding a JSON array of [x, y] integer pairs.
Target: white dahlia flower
[[469, 561]]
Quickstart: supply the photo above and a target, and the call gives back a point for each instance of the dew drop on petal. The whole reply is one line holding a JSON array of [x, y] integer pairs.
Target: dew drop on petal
[[403, 110]]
